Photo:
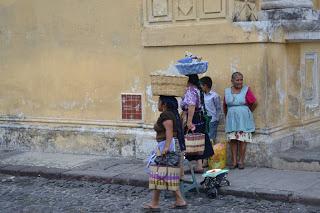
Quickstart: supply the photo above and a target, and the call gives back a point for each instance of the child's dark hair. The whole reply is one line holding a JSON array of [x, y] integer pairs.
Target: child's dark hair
[[206, 81]]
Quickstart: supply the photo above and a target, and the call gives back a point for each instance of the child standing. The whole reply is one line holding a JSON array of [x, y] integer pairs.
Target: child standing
[[212, 104]]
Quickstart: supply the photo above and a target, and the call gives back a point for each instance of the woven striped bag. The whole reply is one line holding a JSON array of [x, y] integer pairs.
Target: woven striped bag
[[164, 177], [195, 143]]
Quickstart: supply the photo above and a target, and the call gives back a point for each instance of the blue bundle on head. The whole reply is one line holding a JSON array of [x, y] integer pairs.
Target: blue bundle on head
[[191, 65]]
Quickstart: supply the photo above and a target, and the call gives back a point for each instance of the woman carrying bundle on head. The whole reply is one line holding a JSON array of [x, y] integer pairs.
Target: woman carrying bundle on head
[[191, 105]]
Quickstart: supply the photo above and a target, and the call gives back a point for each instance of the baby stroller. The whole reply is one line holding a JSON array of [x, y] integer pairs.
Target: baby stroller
[[213, 179]]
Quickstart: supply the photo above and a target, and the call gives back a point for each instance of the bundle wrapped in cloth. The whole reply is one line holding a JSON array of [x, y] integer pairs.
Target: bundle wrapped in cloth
[[191, 64]]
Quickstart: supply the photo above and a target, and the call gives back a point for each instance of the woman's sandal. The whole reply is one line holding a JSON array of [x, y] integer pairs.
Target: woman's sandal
[[176, 206], [234, 166], [241, 166], [147, 207]]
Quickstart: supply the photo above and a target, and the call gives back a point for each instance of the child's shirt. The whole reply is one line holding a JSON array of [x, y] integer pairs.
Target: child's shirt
[[213, 105]]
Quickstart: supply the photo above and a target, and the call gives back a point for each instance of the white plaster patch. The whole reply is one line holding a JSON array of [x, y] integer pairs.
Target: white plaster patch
[[7, 36], [21, 115], [17, 115], [171, 70], [30, 104], [281, 93], [82, 105], [150, 101], [136, 83], [234, 65], [266, 29], [69, 105], [87, 101]]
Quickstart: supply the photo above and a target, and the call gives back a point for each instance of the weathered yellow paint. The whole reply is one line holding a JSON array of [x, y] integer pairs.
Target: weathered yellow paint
[[71, 60], [316, 4]]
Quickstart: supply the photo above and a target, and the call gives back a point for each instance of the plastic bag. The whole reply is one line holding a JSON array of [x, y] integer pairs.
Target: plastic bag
[[219, 159]]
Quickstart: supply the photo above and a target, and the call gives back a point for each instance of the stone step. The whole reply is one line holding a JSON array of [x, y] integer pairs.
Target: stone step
[[298, 159]]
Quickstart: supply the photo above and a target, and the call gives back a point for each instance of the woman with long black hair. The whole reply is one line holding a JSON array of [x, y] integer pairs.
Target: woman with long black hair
[[168, 130]]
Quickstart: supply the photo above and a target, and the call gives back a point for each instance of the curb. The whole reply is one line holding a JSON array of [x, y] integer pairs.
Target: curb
[[258, 194], [56, 173], [284, 196]]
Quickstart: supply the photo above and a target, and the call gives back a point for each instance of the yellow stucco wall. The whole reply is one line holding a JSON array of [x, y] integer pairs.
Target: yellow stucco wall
[[316, 4], [223, 60], [71, 60]]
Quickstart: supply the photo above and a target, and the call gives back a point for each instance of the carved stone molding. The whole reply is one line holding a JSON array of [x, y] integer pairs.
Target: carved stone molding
[[245, 10], [185, 9], [212, 8], [288, 10], [310, 79], [159, 10], [281, 4]]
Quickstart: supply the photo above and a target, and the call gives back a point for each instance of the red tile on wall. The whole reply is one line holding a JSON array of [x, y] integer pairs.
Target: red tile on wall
[[131, 107]]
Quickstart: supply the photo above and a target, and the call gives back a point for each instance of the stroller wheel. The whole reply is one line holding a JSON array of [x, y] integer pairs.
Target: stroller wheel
[[212, 193], [224, 182]]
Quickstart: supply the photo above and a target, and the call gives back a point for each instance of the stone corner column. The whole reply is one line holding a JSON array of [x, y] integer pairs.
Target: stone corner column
[[287, 10]]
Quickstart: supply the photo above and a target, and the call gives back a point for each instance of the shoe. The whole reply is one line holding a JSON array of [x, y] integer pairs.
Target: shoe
[[149, 208], [175, 206], [188, 171], [241, 166], [205, 164], [233, 166]]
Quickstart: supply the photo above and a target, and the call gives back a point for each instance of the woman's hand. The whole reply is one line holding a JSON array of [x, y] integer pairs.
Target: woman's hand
[[190, 126], [165, 150]]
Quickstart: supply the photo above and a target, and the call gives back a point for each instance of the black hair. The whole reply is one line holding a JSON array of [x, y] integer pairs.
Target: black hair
[[206, 81], [172, 105], [194, 79], [170, 102], [236, 74]]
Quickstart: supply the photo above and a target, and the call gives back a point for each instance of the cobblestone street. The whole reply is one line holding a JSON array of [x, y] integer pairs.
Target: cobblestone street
[[27, 194]]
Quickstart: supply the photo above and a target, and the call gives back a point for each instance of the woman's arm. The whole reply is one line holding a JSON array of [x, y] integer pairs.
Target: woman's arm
[[253, 106], [251, 100], [168, 125], [191, 110]]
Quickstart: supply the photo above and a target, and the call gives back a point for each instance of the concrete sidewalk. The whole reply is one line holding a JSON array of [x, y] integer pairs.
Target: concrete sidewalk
[[261, 183]]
